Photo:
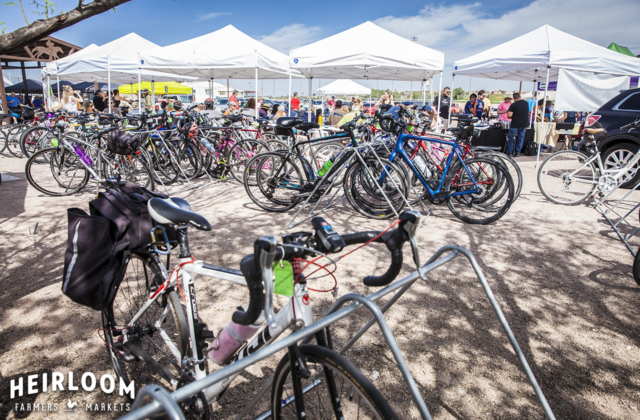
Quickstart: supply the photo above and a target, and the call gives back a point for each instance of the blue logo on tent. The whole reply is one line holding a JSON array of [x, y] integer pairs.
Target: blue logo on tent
[[456, 68], [141, 61], [295, 61]]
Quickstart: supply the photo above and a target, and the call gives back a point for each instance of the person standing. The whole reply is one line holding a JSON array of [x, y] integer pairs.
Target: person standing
[[443, 104], [332, 103], [233, 98], [295, 102], [336, 115], [386, 102], [99, 101], [474, 106], [503, 109], [146, 97], [518, 113], [486, 103]]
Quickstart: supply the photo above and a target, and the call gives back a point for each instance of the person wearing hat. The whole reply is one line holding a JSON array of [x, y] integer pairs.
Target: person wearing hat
[[503, 108], [233, 98], [264, 110], [332, 102], [148, 106]]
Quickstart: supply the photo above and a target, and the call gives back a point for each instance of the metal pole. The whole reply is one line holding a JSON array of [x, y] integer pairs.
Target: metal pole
[[534, 98], [139, 92], [544, 105], [310, 97], [58, 87], [256, 93], [153, 94], [109, 81], [440, 96], [453, 76], [289, 114]]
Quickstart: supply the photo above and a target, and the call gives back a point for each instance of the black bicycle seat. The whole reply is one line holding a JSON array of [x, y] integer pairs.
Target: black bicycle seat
[[262, 121], [307, 126], [289, 122], [172, 211], [454, 129]]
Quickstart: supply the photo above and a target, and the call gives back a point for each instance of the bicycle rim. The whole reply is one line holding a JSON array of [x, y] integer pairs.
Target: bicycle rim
[[56, 171], [273, 181], [240, 154], [564, 178]]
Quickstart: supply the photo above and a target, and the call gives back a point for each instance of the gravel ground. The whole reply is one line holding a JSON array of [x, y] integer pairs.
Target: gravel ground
[[560, 274]]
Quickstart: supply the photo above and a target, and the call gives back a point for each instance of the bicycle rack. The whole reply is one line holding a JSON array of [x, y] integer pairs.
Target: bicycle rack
[[335, 313], [600, 206]]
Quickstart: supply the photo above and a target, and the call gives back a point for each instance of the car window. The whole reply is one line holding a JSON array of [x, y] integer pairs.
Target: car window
[[632, 103], [221, 101]]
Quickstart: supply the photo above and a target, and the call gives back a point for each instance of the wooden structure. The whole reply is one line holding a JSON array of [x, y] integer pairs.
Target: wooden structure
[[42, 51]]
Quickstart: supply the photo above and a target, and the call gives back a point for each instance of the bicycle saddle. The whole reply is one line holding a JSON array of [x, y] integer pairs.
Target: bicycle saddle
[[307, 126], [289, 122], [176, 211], [262, 121], [593, 130], [454, 129]]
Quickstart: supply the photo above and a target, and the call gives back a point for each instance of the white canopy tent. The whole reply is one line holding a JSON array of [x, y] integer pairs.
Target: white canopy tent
[[225, 53], [344, 87], [386, 57], [523, 58]]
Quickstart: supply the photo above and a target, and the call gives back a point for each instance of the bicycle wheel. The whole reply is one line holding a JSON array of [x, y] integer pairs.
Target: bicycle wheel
[[512, 167], [494, 194], [128, 168], [56, 171], [636, 267], [362, 187], [565, 179], [32, 138], [239, 155], [335, 389], [273, 181], [3, 137], [13, 140], [162, 162], [161, 332], [188, 158]]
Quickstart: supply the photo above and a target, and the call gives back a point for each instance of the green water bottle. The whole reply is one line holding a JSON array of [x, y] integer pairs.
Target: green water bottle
[[326, 167]]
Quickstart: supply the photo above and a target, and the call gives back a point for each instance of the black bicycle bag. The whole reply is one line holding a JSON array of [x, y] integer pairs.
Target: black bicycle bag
[[122, 143]]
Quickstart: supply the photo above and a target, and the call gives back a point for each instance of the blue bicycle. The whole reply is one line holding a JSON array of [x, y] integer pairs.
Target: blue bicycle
[[477, 191]]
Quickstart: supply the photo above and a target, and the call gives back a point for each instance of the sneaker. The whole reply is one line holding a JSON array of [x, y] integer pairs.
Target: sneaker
[[518, 155]]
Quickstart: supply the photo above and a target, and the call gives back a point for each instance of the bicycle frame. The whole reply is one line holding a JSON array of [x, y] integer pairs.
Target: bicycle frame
[[615, 173], [297, 313]]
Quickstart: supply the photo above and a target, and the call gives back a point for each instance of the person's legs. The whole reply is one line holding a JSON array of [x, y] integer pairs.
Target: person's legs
[[520, 138], [510, 141]]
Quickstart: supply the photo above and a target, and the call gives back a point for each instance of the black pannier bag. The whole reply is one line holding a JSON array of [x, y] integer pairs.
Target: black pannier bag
[[95, 260], [122, 143], [99, 245]]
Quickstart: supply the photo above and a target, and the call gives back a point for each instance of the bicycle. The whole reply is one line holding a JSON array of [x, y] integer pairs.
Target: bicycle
[[152, 338], [66, 168], [570, 177]]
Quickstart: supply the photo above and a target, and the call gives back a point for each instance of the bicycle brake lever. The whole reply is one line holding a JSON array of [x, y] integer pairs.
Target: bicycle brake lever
[[411, 228], [266, 265]]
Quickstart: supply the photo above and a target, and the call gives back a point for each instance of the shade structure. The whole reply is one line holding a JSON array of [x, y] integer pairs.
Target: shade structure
[[88, 87], [174, 88], [619, 48], [33, 86], [546, 46], [344, 87], [225, 53], [116, 60], [51, 68], [367, 52]]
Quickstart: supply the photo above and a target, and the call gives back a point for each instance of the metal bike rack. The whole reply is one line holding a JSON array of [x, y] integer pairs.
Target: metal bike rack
[[609, 217], [335, 313]]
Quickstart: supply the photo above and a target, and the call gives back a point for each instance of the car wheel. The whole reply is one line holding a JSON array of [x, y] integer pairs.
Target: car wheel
[[617, 156]]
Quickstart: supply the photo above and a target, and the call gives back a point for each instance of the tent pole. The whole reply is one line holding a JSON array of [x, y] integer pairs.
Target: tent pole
[[153, 95], [440, 96], [534, 97], [109, 81], [256, 92], [289, 108], [139, 92], [310, 97], [453, 77], [228, 94], [411, 91], [58, 85], [544, 105]]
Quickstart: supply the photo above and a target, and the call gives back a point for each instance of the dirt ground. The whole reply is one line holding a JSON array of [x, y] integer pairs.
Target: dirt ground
[[560, 274]]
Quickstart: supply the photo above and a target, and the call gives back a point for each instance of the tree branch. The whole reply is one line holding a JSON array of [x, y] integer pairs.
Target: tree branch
[[41, 28]]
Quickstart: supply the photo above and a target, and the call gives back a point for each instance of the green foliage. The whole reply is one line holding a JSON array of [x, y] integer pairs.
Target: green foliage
[[459, 94], [43, 8]]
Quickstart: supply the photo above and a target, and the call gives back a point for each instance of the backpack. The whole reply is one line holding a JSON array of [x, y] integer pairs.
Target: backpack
[[530, 148], [100, 244], [122, 143]]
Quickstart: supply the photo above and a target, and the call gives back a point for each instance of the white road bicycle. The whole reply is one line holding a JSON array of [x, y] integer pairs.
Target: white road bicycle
[[570, 177], [154, 335]]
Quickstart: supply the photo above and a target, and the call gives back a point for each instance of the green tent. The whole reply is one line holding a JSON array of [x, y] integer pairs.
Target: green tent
[[621, 50]]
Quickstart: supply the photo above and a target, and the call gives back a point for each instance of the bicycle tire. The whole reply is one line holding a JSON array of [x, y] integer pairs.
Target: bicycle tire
[[3, 137], [142, 278], [128, 168], [490, 185], [30, 141], [342, 402], [636, 267], [189, 158], [43, 177], [161, 160], [240, 153], [570, 158], [368, 200], [13, 141], [259, 172], [512, 166]]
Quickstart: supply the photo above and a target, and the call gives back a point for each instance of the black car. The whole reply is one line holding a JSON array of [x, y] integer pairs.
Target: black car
[[618, 146]]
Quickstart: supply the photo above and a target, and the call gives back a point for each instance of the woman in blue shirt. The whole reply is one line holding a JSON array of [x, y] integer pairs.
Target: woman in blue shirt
[[474, 106]]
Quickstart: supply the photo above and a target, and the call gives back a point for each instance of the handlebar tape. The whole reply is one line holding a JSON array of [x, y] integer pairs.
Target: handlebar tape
[[394, 240], [253, 276]]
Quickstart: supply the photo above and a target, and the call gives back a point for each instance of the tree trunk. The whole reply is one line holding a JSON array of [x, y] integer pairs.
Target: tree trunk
[[41, 28]]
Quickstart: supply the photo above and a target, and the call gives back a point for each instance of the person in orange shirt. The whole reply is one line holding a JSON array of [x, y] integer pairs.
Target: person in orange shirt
[[295, 102], [233, 98]]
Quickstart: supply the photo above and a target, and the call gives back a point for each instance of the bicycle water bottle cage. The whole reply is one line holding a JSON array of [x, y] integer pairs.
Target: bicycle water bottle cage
[[326, 236]]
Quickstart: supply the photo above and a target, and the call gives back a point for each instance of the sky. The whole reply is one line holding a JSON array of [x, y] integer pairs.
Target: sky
[[457, 28]]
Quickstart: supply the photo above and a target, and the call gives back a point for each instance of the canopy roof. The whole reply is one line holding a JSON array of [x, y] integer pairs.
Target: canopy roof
[[344, 87], [117, 59], [159, 88], [619, 48], [546, 46], [367, 52], [52, 67], [225, 53], [33, 86]]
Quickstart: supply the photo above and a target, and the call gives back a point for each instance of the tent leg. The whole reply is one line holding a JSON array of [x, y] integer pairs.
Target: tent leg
[[153, 94], [109, 81], [544, 105], [256, 93], [58, 85], [453, 77], [289, 107], [534, 98], [440, 96], [139, 92], [310, 98]]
